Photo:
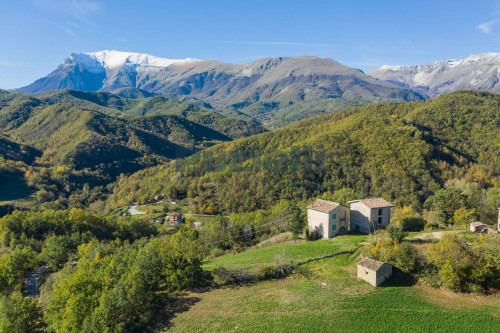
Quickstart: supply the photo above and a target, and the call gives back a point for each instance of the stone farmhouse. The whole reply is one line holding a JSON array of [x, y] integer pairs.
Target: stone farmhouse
[[331, 218], [328, 218], [373, 271], [368, 215]]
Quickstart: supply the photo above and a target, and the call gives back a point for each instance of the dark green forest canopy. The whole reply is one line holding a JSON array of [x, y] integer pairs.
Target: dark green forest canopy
[[63, 140], [401, 151]]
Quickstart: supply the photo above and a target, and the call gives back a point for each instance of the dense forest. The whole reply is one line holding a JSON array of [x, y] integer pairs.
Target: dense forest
[[69, 144], [404, 152]]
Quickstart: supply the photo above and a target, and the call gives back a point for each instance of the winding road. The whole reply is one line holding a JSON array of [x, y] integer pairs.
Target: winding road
[[134, 211]]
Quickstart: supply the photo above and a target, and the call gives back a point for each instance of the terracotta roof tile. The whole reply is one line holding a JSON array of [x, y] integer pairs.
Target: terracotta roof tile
[[324, 206], [372, 264], [374, 202]]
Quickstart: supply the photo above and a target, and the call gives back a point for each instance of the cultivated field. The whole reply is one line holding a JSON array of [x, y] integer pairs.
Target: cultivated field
[[323, 295]]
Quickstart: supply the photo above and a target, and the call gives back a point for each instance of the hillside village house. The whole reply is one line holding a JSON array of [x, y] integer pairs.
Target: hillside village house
[[328, 218], [373, 271], [369, 214], [175, 218]]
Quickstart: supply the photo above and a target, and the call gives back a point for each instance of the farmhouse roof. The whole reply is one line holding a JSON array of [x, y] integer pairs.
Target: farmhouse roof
[[372, 264], [324, 206], [374, 202]]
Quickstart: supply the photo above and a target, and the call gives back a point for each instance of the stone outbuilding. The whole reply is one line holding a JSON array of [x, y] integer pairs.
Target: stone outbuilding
[[328, 218], [498, 219], [481, 228], [368, 215], [373, 271]]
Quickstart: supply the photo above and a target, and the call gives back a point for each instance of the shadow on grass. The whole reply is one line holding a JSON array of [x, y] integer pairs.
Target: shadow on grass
[[399, 279], [170, 308]]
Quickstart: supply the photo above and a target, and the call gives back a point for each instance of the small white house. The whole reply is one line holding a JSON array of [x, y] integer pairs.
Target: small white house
[[368, 215], [328, 218], [373, 271]]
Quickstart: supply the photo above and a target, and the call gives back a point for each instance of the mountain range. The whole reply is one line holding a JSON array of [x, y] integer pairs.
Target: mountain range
[[274, 91], [476, 72]]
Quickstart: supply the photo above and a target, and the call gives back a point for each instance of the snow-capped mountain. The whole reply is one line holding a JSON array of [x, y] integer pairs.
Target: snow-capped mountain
[[109, 60], [476, 72], [257, 89], [103, 70]]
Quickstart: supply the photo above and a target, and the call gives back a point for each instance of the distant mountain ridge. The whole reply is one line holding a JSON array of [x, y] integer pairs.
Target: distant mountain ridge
[[265, 90], [476, 72]]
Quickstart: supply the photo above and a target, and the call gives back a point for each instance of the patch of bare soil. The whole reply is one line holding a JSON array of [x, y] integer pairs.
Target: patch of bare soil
[[435, 234]]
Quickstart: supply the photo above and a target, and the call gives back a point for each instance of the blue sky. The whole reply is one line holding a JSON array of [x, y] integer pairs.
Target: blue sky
[[36, 35]]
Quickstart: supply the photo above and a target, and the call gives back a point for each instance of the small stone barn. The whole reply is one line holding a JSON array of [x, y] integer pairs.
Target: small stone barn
[[481, 228], [373, 271]]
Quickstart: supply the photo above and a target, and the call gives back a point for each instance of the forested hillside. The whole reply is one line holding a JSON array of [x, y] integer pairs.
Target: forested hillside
[[403, 152], [69, 142]]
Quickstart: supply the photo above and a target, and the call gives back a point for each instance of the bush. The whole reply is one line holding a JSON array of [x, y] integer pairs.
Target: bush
[[396, 233], [467, 266], [407, 219], [431, 226], [223, 276], [406, 256], [312, 235], [20, 314]]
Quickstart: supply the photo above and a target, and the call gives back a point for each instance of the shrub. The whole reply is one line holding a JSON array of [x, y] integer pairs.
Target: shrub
[[396, 233], [406, 256], [312, 235]]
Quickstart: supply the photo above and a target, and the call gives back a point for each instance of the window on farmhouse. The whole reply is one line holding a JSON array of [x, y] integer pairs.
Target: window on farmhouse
[[379, 220], [334, 216], [380, 211], [334, 227]]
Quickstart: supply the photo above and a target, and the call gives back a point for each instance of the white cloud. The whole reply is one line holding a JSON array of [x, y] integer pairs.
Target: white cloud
[[79, 9], [70, 16], [63, 28], [487, 26]]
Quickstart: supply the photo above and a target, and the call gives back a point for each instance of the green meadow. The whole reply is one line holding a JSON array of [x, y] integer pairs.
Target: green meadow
[[324, 295]]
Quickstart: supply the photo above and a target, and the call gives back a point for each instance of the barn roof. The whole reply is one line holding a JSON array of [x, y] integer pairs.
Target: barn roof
[[374, 202], [372, 264], [323, 206], [479, 224]]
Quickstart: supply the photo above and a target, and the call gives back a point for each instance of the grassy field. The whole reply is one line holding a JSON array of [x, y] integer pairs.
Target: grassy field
[[297, 251], [15, 190], [324, 295]]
